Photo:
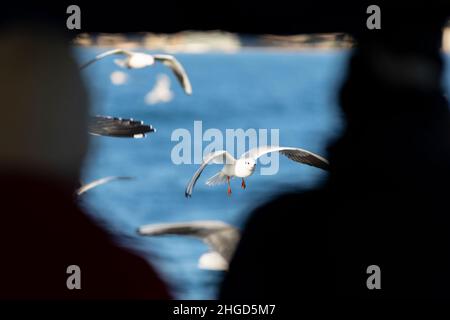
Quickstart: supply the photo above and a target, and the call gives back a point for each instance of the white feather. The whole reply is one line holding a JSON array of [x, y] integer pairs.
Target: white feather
[[216, 179]]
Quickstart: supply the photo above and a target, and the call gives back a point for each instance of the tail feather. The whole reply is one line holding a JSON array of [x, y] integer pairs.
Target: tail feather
[[216, 179]]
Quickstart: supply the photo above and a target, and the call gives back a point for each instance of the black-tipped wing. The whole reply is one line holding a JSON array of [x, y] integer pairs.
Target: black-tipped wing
[[118, 127], [177, 69], [295, 154]]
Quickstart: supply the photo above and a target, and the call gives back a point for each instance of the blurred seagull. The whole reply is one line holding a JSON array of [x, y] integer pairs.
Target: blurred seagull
[[98, 182], [118, 127], [161, 92], [221, 237], [138, 60], [245, 165], [118, 78]]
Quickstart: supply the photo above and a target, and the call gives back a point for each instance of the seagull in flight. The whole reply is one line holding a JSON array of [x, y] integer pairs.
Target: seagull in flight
[[245, 165], [98, 182], [138, 60], [221, 238]]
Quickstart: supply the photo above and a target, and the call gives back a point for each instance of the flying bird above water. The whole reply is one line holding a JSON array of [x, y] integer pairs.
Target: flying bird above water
[[98, 182], [138, 60], [221, 238], [161, 92], [245, 165], [118, 127]]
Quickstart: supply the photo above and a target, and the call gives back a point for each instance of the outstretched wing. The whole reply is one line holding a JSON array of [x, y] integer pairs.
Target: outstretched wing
[[224, 241], [218, 235], [177, 69], [212, 157], [296, 154], [118, 127], [97, 183], [199, 229], [106, 54]]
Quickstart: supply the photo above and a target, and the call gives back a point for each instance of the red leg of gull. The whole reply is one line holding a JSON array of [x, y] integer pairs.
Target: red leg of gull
[[243, 185], [229, 187]]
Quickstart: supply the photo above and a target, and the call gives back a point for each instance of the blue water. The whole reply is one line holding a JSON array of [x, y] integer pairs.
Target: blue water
[[293, 92]]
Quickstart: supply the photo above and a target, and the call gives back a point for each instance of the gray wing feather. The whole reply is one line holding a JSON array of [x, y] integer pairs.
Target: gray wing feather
[[306, 157], [177, 69], [224, 241], [105, 54], [295, 154], [118, 127], [209, 158], [219, 236]]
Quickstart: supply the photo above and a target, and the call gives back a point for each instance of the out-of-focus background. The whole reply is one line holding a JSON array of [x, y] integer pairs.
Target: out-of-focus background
[[288, 83]]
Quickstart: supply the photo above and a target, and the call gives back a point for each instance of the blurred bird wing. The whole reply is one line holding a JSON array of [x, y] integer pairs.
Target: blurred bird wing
[[224, 241], [213, 156], [219, 236], [177, 69], [118, 127], [199, 229], [99, 182], [162, 82], [295, 154], [106, 54]]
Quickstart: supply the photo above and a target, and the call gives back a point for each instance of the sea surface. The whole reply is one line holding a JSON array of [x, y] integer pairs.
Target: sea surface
[[294, 92]]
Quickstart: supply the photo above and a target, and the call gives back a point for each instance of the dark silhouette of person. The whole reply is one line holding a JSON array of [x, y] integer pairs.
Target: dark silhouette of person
[[385, 202], [43, 141]]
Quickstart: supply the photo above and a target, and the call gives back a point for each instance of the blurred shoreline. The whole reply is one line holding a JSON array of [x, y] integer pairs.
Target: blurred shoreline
[[220, 41], [214, 41]]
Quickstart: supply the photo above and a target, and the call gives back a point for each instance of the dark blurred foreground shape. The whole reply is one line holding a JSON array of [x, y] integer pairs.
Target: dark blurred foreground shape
[[386, 199], [43, 141]]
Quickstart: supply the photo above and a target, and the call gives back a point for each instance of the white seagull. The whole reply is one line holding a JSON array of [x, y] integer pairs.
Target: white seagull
[[138, 60], [245, 165], [221, 237], [98, 182]]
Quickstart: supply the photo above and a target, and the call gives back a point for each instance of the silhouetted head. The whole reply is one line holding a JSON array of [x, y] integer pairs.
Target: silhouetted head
[[44, 105]]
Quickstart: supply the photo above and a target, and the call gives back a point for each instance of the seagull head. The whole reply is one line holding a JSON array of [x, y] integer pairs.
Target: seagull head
[[250, 164]]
